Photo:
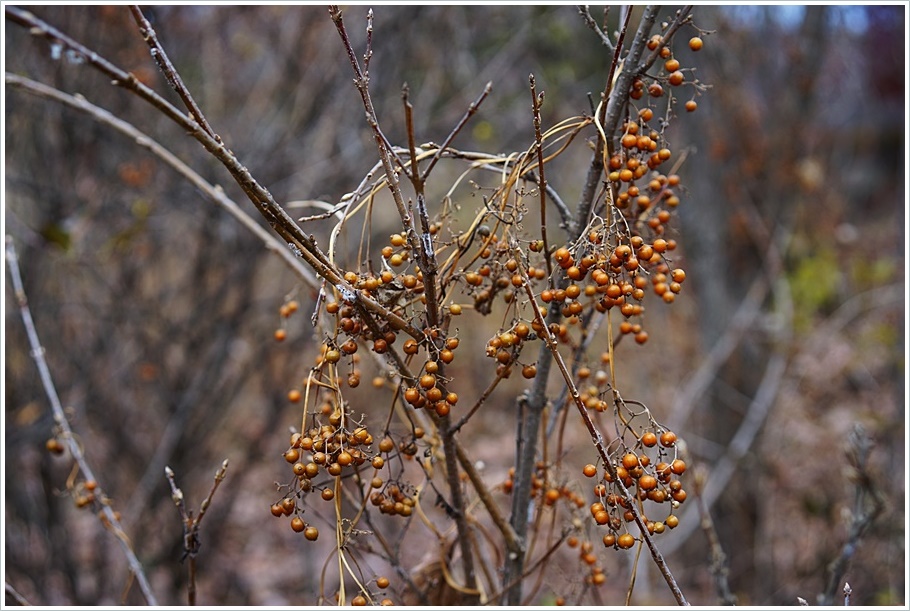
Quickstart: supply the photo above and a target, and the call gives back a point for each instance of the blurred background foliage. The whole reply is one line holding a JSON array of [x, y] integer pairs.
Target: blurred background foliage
[[157, 310]]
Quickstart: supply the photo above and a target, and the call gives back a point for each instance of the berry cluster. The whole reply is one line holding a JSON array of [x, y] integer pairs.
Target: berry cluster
[[586, 555], [83, 492], [429, 389], [324, 454], [650, 472]]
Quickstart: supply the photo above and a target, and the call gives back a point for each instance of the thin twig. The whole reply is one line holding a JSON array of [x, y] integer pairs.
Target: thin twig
[[720, 568], [16, 596], [598, 440], [170, 73], [513, 545], [214, 193], [191, 524], [67, 435], [585, 12], [426, 262], [472, 109], [273, 212], [596, 167], [536, 103], [868, 505]]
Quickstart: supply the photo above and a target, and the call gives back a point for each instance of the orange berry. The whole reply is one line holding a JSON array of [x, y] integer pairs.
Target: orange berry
[[647, 482], [696, 43], [649, 439], [589, 470], [626, 541], [297, 524], [280, 335], [667, 439], [678, 466]]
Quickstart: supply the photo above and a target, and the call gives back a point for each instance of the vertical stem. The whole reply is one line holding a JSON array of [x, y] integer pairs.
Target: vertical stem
[[426, 262]]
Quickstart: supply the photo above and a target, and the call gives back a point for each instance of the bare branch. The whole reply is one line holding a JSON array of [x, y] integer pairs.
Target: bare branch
[[214, 193], [274, 214], [598, 441], [585, 12], [170, 73], [16, 596], [67, 435], [472, 109], [868, 505]]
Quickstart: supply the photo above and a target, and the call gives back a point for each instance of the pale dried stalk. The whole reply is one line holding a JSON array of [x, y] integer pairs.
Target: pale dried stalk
[[67, 435]]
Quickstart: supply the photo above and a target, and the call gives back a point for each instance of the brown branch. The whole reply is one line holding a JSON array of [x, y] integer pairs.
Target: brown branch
[[720, 568], [215, 194], [191, 524], [274, 214], [472, 109], [513, 545], [596, 167], [536, 103], [170, 73], [67, 435], [426, 262], [585, 12], [598, 440], [683, 16]]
